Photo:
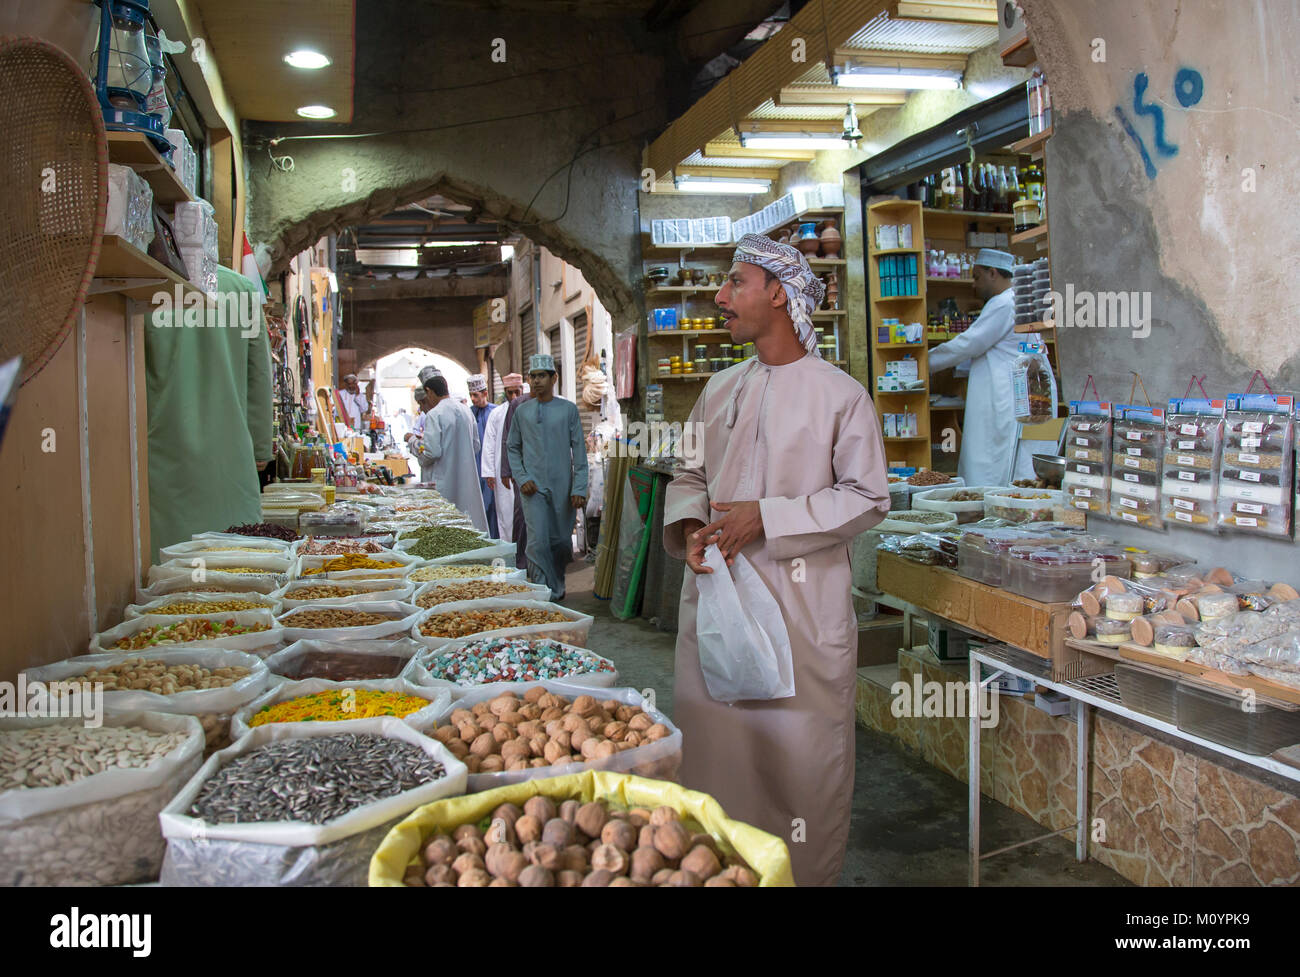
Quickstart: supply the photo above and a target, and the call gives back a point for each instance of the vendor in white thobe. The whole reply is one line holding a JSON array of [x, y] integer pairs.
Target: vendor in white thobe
[[353, 403], [416, 437], [991, 344], [503, 496], [450, 445]]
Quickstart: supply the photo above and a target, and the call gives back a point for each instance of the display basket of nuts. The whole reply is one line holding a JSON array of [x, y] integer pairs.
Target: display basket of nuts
[[318, 700], [386, 565], [224, 546], [497, 569], [197, 602], [503, 663], [586, 829], [164, 583], [338, 789], [343, 661], [966, 503], [80, 805], [445, 591], [310, 590], [344, 622], [536, 728], [276, 563], [501, 617], [227, 630], [209, 685]]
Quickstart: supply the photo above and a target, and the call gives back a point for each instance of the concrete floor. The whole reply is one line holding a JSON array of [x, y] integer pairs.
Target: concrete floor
[[909, 818]]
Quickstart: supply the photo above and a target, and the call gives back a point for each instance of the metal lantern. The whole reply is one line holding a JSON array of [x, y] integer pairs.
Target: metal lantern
[[121, 70], [156, 100]]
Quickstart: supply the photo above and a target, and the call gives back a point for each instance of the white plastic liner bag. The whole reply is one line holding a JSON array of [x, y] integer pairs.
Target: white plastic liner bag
[[531, 591], [107, 640], [405, 563], [284, 664], [403, 618], [296, 853], [103, 829], [422, 719], [491, 550], [225, 546], [573, 631], [659, 760], [212, 707], [368, 590], [421, 669], [277, 563], [501, 571], [176, 580], [743, 643], [160, 604]]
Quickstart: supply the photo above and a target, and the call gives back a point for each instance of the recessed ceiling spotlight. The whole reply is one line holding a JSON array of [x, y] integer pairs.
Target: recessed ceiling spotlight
[[316, 112], [307, 59]]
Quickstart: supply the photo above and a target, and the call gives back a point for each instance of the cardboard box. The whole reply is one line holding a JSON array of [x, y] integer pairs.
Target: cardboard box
[[880, 640], [949, 644]]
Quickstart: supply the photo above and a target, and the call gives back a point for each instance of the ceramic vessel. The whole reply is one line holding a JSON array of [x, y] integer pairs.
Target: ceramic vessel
[[831, 240], [808, 241]]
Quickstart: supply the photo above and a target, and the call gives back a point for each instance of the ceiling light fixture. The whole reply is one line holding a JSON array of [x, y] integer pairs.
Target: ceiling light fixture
[[307, 59], [696, 184], [316, 112], [790, 140], [851, 131], [455, 244], [915, 79]]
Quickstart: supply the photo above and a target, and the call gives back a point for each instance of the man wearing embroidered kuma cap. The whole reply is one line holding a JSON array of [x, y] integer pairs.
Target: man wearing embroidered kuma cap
[[790, 468], [991, 345]]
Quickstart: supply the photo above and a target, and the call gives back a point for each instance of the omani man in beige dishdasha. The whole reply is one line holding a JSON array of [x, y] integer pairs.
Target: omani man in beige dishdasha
[[790, 468]]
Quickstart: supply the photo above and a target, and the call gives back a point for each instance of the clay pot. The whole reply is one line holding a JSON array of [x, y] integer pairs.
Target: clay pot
[[808, 241], [831, 240], [832, 292]]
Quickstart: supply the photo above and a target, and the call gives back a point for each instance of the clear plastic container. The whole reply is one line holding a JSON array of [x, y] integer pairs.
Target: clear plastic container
[[980, 552], [1027, 505], [1050, 574], [1147, 691], [1224, 718]]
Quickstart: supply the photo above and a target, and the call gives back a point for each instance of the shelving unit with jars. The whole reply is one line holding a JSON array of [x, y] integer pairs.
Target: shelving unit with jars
[[698, 348]]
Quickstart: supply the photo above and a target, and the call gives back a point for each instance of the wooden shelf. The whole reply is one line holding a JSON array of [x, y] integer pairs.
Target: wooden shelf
[[828, 262], [1031, 143], [896, 251], [907, 439], [949, 281], [1033, 234], [134, 149], [892, 204], [682, 289], [125, 269], [1034, 327], [673, 333], [685, 376], [984, 215], [900, 393], [899, 345], [899, 298], [829, 313]]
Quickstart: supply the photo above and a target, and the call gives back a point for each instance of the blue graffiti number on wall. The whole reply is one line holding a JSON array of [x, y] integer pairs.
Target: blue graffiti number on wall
[[1188, 89]]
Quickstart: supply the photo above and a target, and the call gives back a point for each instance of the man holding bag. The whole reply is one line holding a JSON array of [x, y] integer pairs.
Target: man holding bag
[[790, 467]]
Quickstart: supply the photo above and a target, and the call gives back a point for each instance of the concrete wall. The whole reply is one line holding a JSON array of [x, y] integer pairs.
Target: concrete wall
[[483, 132], [1205, 224]]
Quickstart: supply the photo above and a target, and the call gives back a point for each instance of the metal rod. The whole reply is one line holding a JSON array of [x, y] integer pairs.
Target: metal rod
[[1083, 761], [1030, 841], [973, 773]]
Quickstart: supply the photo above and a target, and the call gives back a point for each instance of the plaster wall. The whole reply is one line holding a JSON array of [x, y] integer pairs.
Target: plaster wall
[[440, 325]]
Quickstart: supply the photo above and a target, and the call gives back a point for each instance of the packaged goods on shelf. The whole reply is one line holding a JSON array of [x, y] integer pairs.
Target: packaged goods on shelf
[[195, 225], [1255, 476], [201, 268], [185, 161], [1086, 484], [130, 207], [1033, 386], [1138, 435]]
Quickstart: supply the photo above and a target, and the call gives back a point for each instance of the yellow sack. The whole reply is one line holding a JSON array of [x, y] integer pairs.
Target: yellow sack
[[766, 854]]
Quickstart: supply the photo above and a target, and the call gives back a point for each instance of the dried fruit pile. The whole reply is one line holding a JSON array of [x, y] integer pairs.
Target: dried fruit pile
[[575, 844], [461, 624], [191, 629]]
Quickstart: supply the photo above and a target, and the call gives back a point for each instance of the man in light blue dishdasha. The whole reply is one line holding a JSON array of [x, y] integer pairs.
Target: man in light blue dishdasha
[[548, 459]]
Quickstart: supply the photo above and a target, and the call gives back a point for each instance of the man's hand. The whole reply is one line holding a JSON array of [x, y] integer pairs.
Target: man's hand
[[261, 465], [529, 487], [742, 524], [577, 501], [695, 545], [505, 480], [491, 482]]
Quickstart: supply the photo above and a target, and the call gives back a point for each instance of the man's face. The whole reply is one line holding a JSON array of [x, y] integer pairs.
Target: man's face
[[541, 382], [985, 282], [513, 392], [478, 397], [351, 385], [749, 301]]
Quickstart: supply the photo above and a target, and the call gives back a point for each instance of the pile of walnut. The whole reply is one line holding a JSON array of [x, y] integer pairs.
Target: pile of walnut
[[577, 845], [543, 730]]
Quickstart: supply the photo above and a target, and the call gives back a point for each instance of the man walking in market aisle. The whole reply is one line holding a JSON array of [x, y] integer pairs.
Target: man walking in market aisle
[[518, 527], [451, 443], [548, 461], [791, 467], [482, 409], [503, 497]]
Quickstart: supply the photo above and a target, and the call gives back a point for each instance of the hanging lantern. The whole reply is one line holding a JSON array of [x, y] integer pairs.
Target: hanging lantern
[[122, 73], [156, 101]]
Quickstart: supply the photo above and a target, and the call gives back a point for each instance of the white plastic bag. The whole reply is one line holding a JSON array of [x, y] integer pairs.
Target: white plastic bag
[[285, 665], [176, 580], [657, 760], [337, 852], [492, 549], [574, 631], [160, 604], [531, 591], [110, 819], [225, 546], [405, 561], [422, 719], [212, 707], [500, 572], [106, 641], [403, 618], [420, 669], [743, 643], [273, 561], [368, 590]]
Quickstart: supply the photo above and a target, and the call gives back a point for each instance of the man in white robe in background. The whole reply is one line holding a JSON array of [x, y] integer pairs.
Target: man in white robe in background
[[503, 496], [450, 443], [790, 467]]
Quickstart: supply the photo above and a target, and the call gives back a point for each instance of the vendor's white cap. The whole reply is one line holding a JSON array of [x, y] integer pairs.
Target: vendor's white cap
[[541, 361], [993, 258], [476, 382]]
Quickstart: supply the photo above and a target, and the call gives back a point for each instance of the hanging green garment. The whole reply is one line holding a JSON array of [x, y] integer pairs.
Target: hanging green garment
[[209, 389]]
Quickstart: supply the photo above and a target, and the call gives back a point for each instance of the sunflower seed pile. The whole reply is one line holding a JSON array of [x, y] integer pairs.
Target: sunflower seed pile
[[313, 780]]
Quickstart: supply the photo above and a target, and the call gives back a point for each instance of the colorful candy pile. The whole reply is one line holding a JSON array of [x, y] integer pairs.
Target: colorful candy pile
[[511, 660]]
